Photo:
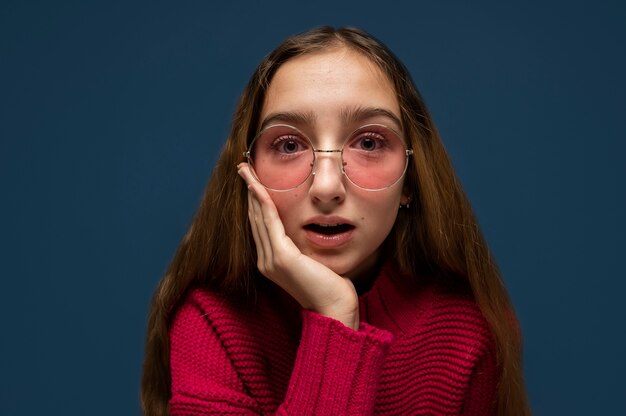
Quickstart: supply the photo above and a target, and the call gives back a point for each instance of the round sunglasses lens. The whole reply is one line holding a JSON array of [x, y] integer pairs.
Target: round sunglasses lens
[[374, 157], [281, 157]]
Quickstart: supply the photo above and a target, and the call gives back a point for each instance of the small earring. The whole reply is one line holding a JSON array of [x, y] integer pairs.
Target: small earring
[[407, 205]]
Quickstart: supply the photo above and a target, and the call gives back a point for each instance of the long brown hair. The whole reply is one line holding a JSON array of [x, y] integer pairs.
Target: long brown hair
[[437, 236]]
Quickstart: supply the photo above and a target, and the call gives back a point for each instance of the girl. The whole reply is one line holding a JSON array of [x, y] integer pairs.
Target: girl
[[338, 269]]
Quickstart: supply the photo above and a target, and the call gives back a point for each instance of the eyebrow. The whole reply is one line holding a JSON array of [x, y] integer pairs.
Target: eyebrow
[[348, 115], [289, 117], [363, 113]]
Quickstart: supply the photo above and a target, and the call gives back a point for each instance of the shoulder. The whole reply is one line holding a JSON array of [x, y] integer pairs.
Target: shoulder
[[441, 307], [205, 307], [454, 319], [231, 319], [430, 311], [204, 300], [199, 307]]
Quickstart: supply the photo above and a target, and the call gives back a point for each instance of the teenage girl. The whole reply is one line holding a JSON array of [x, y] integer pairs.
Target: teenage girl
[[334, 266]]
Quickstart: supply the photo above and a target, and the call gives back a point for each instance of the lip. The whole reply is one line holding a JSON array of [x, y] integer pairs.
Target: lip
[[328, 240]]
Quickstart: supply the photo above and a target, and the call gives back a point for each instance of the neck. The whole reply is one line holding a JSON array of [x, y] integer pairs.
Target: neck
[[365, 278]]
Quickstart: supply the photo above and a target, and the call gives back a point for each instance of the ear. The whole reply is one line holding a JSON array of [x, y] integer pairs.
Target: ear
[[405, 198], [408, 193]]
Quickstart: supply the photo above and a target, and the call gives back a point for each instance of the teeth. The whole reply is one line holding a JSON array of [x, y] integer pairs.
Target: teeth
[[328, 225]]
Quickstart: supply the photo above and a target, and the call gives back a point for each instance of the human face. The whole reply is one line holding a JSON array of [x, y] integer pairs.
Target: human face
[[327, 95]]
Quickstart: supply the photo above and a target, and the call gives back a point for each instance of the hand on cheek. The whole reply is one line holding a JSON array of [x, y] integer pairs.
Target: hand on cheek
[[312, 284]]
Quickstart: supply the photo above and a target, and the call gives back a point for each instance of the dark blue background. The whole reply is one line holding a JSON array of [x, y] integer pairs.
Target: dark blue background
[[112, 114]]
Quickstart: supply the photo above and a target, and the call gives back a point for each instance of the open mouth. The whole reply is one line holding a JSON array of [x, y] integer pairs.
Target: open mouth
[[329, 229]]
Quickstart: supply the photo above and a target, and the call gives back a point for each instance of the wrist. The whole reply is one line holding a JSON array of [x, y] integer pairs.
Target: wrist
[[347, 313]]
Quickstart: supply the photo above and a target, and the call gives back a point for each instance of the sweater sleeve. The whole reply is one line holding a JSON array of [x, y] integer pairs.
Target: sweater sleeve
[[336, 370]]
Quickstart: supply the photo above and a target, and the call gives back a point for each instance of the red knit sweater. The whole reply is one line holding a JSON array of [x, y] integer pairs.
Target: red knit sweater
[[423, 352]]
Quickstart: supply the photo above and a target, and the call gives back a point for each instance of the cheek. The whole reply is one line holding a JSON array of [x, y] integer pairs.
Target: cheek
[[380, 215], [387, 218], [287, 205]]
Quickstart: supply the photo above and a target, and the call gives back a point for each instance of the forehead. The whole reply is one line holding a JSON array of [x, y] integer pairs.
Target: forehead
[[328, 84]]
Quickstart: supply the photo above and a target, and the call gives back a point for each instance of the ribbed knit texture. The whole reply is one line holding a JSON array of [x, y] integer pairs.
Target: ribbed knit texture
[[416, 353]]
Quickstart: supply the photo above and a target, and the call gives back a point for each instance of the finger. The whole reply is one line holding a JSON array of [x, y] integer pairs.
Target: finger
[[255, 233], [260, 194], [273, 223], [260, 221], [257, 214], [245, 171]]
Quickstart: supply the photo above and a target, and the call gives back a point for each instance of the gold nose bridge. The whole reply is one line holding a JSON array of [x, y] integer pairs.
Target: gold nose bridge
[[314, 165]]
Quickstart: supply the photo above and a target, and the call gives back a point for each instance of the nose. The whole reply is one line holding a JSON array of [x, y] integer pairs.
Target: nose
[[328, 186]]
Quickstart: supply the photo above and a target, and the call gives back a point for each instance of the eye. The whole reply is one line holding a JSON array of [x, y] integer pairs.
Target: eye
[[288, 144], [369, 141]]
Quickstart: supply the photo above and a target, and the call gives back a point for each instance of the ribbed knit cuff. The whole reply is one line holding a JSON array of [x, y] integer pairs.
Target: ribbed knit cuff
[[336, 369]]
